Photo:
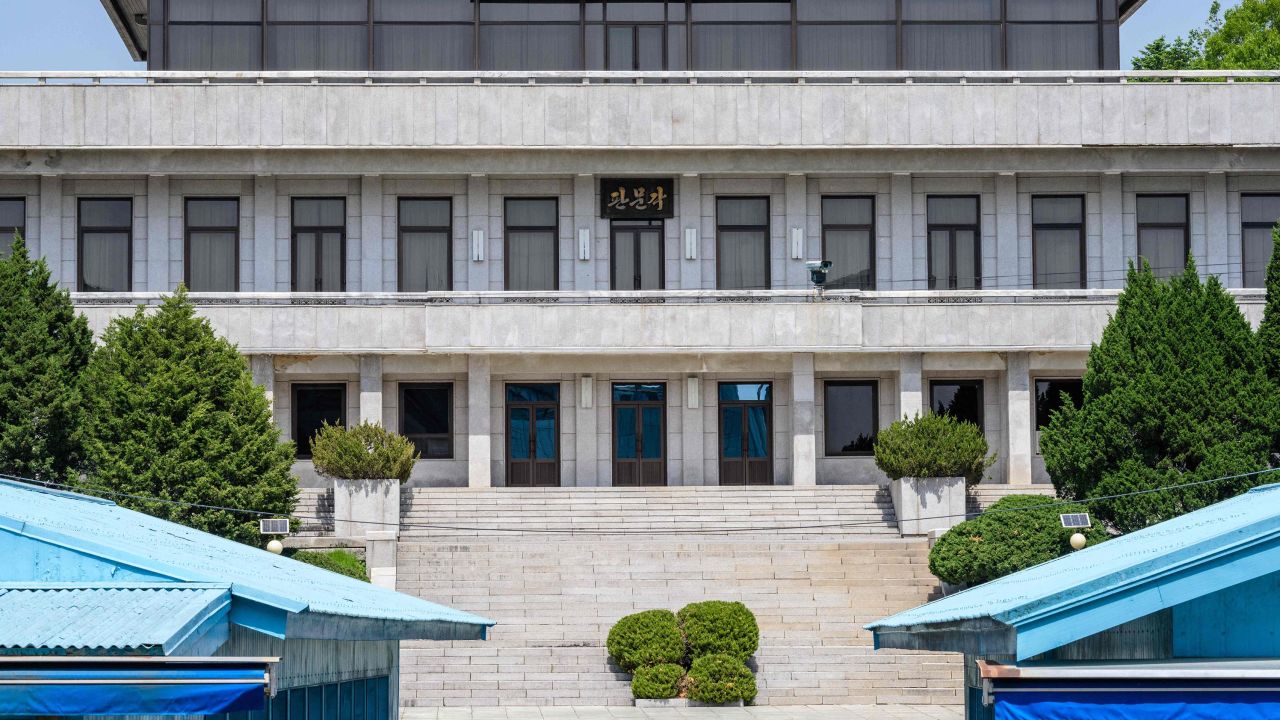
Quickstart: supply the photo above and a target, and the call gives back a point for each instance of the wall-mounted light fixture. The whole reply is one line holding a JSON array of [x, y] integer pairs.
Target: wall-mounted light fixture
[[477, 245], [693, 392], [584, 243], [797, 243], [691, 243], [586, 390]]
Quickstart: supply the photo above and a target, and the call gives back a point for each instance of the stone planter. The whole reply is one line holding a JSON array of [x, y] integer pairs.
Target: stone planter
[[681, 703], [924, 505], [362, 506]]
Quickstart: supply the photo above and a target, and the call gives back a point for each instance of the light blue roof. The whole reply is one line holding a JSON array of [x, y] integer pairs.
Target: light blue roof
[[164, 618], [1133, 575], [319, 603]]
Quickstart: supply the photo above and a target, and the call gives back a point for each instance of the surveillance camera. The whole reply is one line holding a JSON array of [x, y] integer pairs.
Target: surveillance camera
[[818, 270]]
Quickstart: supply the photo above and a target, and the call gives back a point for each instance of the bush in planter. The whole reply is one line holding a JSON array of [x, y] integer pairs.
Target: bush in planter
[[720, 679], [365, 452], [933, 446], [1006, 539], [646, 638], [657, 682], [717, 627], [338, 561]]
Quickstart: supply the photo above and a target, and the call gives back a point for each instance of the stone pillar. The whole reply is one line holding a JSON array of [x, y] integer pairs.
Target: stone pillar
[[479, 441], [1020, 433], [804, 447], [1008, 270], [902, 226], [380, 557], [911, 400], [158, 256], [264, 236], [263, 369], [692, 421], [477, 276], [49, 244], [690, 218], [371, 389], [585, 438], [1216, 259], [1114, 257], [371, 250]]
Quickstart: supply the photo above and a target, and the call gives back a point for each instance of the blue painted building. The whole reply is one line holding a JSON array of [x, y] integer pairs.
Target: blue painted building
[[107, 611], [1181, 619]]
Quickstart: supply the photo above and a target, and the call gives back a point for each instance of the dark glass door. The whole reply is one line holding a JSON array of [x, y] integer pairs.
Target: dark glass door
[[639, 434], [636, 252], [635, 47], [746, 448], [533, 435]]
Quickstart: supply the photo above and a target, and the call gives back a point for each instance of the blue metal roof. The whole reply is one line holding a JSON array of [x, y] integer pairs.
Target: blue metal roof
[[110, 619], [316, 601], [1113, 582]]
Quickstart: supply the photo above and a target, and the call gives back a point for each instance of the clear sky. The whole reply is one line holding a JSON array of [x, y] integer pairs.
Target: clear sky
[[76, 35]]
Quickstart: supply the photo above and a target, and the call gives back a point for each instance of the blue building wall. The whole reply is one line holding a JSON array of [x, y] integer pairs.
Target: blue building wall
[[1235, 622]]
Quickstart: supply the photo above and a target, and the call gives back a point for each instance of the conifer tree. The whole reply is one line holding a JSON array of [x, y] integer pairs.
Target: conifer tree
[[175, 415], [1269, 330], [44, 347], [1175, 392]]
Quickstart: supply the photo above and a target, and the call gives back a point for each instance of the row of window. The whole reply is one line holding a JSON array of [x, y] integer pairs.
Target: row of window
[[851, 420], [675, 35], [743, 258]]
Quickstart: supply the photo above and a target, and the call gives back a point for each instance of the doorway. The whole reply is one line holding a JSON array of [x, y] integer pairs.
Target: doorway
[[636, 251], [533, 435], [639, 434], [746, 427]]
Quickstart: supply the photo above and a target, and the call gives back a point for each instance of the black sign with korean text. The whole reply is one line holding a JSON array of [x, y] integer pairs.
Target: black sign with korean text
[[636, 198]]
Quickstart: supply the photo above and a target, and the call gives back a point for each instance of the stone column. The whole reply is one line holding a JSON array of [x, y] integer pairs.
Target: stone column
[[49, 244], [1020, 430], [380, 557], [264, 236], [911, 401], [1008, 269], [1217, 252], [904, 275], [371, 250], [158, 255], [585, 439], [479, 441], [804, 447], [1114, 258], [477, 276], [371, 389], [263, 369]]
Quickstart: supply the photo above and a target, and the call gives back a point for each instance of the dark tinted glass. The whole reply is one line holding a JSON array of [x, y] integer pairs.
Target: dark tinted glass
[[318, 10], [635, 392], [108, 213], [537, 212], [635, 11], [951, 10], [1053, 47], [860, 10], [427, 418], [1260, 208], [1162, 209], [758, 11], [423, 10], [851, 418], [425, 213], [848, 211], [530, 47], [730, 392], [1053, 10], [215, 47], [313, 406], [741, 47], [319, 212], [213, 213], [847, 47], [953, 210], [212, 10], [13, 221], [423, 47], [1057, 210], [951, 47], [1049, 397], [317, 47], [540, 392], [732, 211], [535, 11], [961, 399]]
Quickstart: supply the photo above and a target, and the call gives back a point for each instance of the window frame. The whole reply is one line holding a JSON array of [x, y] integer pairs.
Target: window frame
[[448, 436], [982, 389], [187, 229], [1036, 227], [841, 227], [508, 228], [300, 452], [1185, 225], [268, 23], [767, 228], [874, 384], [1036, 427], [618, 225], [401, 229], [82, 230], [317, 230], [5, 243], [951, 229], [1244, 225]]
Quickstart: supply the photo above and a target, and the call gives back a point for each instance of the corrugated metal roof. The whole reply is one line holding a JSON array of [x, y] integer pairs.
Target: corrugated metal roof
[[96, 618], [101, 528], [1128, 559]]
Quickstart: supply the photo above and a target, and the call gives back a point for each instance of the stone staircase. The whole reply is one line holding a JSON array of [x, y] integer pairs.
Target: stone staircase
[[556, 568], [983, 497]]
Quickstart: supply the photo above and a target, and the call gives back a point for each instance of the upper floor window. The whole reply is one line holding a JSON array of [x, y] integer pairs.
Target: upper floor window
[[532, 244], [848, 241], [1258, 216], [1163, 234], [207, 35], [1057, 239], [319, 244], [742, 243], [13, 223], [212, 244], [955, 246], [426, 257], [312, 35], [105, 244]]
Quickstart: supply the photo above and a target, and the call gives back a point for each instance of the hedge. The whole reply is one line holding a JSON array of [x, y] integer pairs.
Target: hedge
[[646, 638], [717, 627], [933, 446], [339, 561], [720, 679], [657, 682], [365, 452]]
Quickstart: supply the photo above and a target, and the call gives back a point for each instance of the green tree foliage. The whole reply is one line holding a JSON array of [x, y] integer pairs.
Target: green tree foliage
[[657, 682], [1245, 37], [1175, 392], [718, 627], [1009, 537], [365, 452], [338, 561], [1269, 330], [646, 638], [933, 446], [44, 348], [174, 415], [720, 679]]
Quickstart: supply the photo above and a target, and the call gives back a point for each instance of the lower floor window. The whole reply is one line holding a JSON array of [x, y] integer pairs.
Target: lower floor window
[[851, 417], [426, 413], [1050, 397], [961, 399], [314, 405]]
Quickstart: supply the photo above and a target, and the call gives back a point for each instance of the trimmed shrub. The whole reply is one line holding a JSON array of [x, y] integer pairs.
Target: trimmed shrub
[[657, 682], [1006, 539], [719, 679], [365, 452], [338, 561], [933, 446], [717, 627], [646, 638]]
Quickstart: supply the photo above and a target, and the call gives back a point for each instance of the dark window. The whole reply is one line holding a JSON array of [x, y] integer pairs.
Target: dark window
[[742, 243], [955, 244], [310, 35], [212, 244], [1053, 46], [1057, 239], [951, 47], [106, 244], [848, 241], [1049, 397], [635, 47], [417, 35], [639, 434], [746, 445], [319, 244], [532, 244], [204, 35], [426, 418], [637, 254], [13, 223], [1258, 216], [961, 399], [851, 417], [314, 405], [847, 47], [426, 242], [722, 46], [1163, 237]]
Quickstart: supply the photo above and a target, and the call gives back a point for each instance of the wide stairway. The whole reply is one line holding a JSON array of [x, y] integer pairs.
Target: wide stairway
[[557, 567]]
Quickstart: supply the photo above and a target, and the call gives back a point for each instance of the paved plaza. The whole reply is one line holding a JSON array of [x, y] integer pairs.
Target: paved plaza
[[763, 712]]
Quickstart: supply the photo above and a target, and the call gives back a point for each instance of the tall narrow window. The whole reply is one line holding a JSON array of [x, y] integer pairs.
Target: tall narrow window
[[1050, 396], [746, 426], [319, 244], [212, 244], [426, 418], [1258, 216], [955, 250], [637, 256], [639, 434], [961, 399], [848, 241], [532, 244], [13, 223], [1163, 237], [426, 260], [851, 417], [315, 404], [106, 244], [1057, 237], [742, 243]]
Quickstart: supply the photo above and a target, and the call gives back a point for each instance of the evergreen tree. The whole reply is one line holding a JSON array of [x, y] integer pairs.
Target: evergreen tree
[[1175, 392], [174, 414], [44, 347], [1269, 330]]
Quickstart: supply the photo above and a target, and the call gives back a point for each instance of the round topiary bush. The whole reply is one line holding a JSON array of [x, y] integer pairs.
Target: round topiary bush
[[717, 627], [933, 446], [1005, 539], [657, 682], [365, 452], [720, 679], [646, 638]]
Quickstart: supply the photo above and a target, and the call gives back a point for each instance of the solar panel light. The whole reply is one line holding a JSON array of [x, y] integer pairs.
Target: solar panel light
[[1071, 521], [273, 526]]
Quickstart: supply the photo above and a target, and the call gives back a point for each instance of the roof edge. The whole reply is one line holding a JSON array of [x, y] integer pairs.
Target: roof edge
[[1128, 8], [124, 26]]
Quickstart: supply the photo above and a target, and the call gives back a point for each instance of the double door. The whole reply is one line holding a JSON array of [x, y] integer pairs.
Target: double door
[[639, 434], [636, 250], [746, 447], [533, 435]]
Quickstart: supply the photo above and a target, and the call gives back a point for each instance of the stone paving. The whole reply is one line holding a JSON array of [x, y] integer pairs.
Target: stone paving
[[763, 712]]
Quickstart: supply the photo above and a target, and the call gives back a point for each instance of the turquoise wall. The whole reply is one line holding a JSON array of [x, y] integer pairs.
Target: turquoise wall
[[1242, 621]]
